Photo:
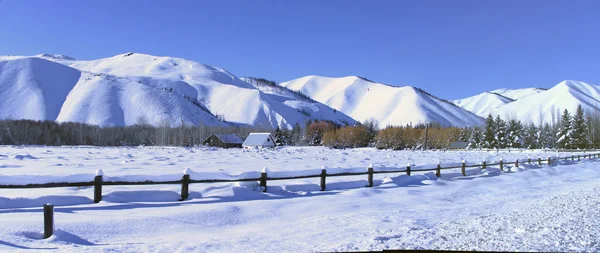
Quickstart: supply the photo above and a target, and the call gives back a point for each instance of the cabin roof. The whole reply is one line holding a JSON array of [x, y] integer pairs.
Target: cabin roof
[[257, 139]]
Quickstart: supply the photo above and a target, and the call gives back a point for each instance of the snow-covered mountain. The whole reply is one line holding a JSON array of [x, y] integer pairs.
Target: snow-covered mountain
[[546, 106], [363, 100], [483, 104], [516, 94], [127, 88]]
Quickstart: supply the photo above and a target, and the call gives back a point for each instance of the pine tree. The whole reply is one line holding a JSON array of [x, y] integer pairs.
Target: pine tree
[[488, 139], [501, 140], [579, 138], [465, 134], [549, 136], [531, 139], [475, 138], [514, 134], [565, 130]]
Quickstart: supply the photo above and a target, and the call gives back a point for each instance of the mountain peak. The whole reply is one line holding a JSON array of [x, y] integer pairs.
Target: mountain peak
[[56, 57]]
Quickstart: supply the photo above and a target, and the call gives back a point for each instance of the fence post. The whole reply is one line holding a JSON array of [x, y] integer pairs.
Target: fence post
[[463, 168], [185, 185], [323, 176], [501, 165], [263, 179], [408, 169], [438, 171], [572, 157], [483, 165], [539, 161], [517, 163], [549, 161], [529, 159], [98, 186], [370, 175], [48, 220], [579, 158]]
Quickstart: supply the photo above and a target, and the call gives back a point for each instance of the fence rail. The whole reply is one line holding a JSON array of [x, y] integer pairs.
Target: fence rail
[[185, 181]]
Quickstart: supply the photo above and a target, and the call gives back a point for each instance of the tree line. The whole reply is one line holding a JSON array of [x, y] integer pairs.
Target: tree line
[[580, 130], [570, 132]]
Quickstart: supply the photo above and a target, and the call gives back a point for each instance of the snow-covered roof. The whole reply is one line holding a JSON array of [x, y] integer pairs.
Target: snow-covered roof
[[230, 138], [258, 139]]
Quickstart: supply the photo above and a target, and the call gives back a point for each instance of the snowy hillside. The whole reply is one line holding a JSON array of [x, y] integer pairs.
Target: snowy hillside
[[516, 94], [388, 105], [483, 104], [122, 89], [306, 105], [546, 106], [39, 89]]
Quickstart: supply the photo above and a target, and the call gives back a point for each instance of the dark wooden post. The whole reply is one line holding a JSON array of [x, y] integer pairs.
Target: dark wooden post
[[501, 165], [408, 169], [323, 176], [579, 158], [98, 186], [463, 168], [483, 165], [549, 161], [48, 220], [263, 179], [370, 175], [573, 158], [529, 160], [438, 170], [517, 163], [185, 186], [539, 161]]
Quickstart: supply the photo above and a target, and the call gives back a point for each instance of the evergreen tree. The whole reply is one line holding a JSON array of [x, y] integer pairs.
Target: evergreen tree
[[579, 138], [500, 140], [465, 134], [475, 138], [565, 130], [531, 139], [548, 136], [514, 134], [372, 127], [278, 137], [488, 138]]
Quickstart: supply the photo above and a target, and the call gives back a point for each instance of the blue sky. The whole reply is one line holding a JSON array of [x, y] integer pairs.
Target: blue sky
[[451, 48]]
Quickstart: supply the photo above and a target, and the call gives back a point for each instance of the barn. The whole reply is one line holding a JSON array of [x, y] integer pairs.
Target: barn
[[223, 141], [259, 140]]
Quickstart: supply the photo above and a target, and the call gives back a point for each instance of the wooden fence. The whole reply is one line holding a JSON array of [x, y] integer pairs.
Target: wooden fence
[[186, 180]]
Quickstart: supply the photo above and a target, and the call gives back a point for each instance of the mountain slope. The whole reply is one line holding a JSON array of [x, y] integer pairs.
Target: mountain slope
[[388, 105], [33, 88], [300, 102], [546, 106], [39, 89], [483, 104], [516, 94], [123, 89]]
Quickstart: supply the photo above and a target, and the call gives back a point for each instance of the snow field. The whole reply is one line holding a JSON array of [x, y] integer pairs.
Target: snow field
[[524, 209]]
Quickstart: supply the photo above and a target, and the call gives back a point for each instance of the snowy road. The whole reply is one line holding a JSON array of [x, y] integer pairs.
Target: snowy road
[[547, 208]]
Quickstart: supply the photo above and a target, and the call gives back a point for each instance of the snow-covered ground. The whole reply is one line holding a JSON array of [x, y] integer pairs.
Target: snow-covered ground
[[531, 208]]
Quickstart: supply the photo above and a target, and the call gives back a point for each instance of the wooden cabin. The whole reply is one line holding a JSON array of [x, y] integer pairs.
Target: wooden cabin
[[224, 141]]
